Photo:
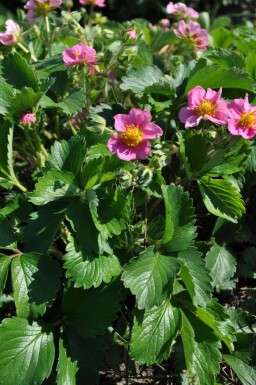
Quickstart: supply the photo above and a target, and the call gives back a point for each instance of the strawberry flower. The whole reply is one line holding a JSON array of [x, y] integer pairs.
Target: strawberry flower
[[40, 8], [193, 33], [98, 3], [80, 53], [134, 131], [204, 105], [242, 118], [12, 33], [181, 10]]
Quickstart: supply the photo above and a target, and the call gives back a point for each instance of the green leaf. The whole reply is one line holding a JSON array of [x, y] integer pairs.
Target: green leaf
[[216, 77], [201, 350], [225, 58], [71, 105], [84, 308], [251, 64], [42, 226], [195, 276], [6, 161], [18, 73], [221, 263], [52, 186], [26, 352], [179, 232], [100, 170], [193, 149], [7, 236], [25, 100], [66, 369], [244, 372], [4, 267], [6, 96], [153, 333], [78, 214], [53, 68], [35, 281], [138, 79], [150, 277], [110, 211], [221, 198], [87, 355], [67, 156], [217, 319], [87, 270]]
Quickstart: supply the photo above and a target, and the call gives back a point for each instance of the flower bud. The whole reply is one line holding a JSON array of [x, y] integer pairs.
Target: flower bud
[[27, 118]]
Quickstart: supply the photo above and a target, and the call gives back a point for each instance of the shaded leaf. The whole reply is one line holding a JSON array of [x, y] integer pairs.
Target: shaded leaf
[[5, 262], [35, 281], [84, 308]]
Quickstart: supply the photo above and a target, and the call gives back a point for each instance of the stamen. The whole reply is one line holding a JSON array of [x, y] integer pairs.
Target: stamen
[[132, 135], [206, 108], [247, 119]]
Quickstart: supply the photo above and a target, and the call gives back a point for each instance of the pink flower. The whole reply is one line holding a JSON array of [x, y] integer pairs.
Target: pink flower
[[193, 33], [39, 8], [80, 53], [98, 3], [134, 130], [12, 33], [78, 118], [204, 105], [27, 118], [132, 34], [242, 118], [181, 10]]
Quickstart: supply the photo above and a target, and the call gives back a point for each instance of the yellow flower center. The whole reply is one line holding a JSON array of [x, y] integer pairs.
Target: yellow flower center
[[247, 119], [43, 8], [132, 135], [206, 108]]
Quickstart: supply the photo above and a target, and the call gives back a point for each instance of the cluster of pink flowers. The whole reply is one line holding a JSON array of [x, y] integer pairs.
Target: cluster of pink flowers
[[181, 11], [39, 8], [193, 33], [80, 54], [134, 131], [238, 115], [12, 33], [98, 3]]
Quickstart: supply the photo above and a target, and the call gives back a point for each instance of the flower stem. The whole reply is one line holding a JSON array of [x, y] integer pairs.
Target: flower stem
[[26, 50], [48, 32]]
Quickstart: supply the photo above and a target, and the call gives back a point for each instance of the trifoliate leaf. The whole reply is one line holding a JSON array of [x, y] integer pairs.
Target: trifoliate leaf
[[153, 333], [26, 352], [150, 277]]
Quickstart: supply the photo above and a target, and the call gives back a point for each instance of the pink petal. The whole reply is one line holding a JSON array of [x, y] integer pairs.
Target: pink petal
[[237, 105], [143, 150], [196, 96], [140, 118], [188, 116], [121, 120], [152, 131]]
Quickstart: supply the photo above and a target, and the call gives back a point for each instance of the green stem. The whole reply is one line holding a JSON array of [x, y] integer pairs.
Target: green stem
[[26, 50], [16, 183], [48, 32]]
